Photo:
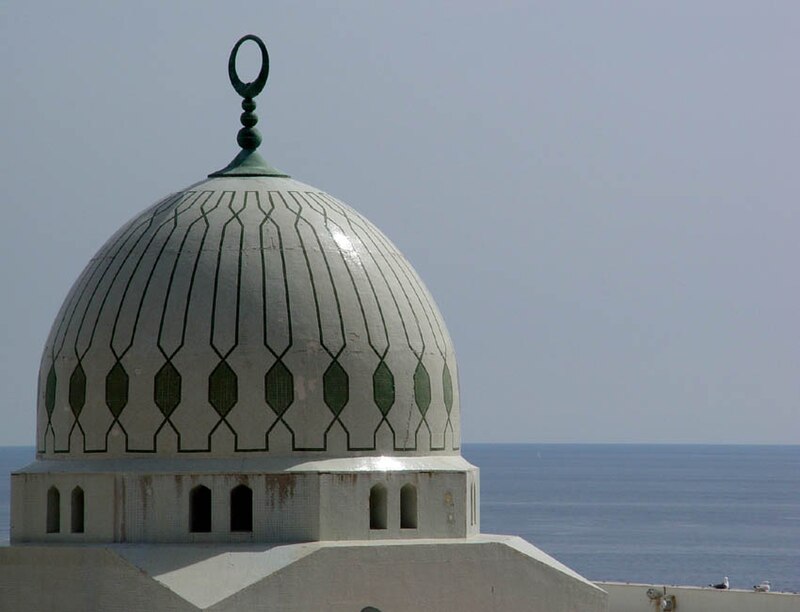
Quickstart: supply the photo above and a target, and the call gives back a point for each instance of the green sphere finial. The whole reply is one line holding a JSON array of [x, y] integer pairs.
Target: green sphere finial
[[248, 162]]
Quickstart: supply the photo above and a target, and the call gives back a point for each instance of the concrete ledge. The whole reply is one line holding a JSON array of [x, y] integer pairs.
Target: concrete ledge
[[631, 597], [480, 573], [246, 465]]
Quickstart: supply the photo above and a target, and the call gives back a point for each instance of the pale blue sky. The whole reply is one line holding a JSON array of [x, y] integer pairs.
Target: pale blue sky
[[601, 196]]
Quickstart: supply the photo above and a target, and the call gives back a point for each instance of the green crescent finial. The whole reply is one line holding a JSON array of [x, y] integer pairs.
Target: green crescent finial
[[248, 162]]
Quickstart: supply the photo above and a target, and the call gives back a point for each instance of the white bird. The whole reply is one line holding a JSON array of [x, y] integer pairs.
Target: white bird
[[722, 585], [763, 587]]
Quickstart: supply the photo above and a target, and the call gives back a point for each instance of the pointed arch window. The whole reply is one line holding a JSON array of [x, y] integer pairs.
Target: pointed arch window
[[200, 509], [378, 507], [53, 510], [408, 506], [242, 508], [77, 510]]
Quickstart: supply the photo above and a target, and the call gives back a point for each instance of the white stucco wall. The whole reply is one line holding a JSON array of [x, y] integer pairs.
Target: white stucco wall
[[140, 501], [131, 507], [442, 505]]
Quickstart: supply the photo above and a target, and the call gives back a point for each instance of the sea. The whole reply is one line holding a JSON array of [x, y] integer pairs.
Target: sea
[[663, 514]]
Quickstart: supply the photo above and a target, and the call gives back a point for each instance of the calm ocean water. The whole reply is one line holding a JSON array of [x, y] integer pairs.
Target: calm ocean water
[[642, 513]]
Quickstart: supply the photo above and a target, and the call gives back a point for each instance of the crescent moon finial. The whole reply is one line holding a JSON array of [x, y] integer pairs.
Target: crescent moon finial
[[248, 162]]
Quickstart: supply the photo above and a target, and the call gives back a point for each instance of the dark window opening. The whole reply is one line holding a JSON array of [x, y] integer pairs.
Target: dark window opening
[[53, 510], [200, 510], [242, 508], [474, 504], [377, 507], [408, 507], [77, 510]]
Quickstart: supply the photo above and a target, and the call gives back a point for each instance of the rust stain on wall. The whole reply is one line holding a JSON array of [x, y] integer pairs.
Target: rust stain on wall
[[282, 484], [120, 503], [350, 478], [145, 488]]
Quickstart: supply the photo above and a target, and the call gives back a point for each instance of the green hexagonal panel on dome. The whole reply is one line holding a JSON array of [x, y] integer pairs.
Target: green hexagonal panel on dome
[[50, 391], [422, 388], [167, 389], [77, 390], [383, 388], [279, 388], [336, 387], [117, 389], [447, 386], [223, 388]]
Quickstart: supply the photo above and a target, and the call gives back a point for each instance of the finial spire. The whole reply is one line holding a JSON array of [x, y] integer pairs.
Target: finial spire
[[248, 162]]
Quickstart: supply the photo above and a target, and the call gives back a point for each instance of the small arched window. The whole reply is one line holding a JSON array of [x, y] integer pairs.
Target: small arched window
[[377, 507], [200, 509], [53, 510], [242, 508], [77, 510], [408, 507]]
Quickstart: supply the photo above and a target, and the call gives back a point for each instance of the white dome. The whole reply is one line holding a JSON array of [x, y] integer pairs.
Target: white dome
[[248, 315]]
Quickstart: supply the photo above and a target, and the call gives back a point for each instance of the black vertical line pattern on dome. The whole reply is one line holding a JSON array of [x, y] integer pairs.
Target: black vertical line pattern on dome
[[190, 289], [51, 381], [447, 374], [145, 220], [323, 210], [277, 356], [166, 404], [143, 223], [145, 227], [189, 199], [223, 382], [248, 197], [421, 377], [367, 230], [117, 241], [171, 222], [310, 199], [335, 371], [414, 282], [404, 268], [117, 379], [358, 223], [431, 313]]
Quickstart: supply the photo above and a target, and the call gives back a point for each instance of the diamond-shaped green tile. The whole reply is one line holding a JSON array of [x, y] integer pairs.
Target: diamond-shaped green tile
[[422, 388], [77, 390], [336, 387], [50, 391], [223, 388], [383, 388], [279, 388], [447, 385], [167, 389], [117, 389]]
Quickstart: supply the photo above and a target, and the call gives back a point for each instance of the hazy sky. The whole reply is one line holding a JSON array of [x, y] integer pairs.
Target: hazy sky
[[601, 196]]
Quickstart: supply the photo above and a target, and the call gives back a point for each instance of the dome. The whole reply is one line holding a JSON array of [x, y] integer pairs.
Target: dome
[[247, 360], [248, 314]]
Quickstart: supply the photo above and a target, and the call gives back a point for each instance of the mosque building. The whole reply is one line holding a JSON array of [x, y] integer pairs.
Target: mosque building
[[249, 401]]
